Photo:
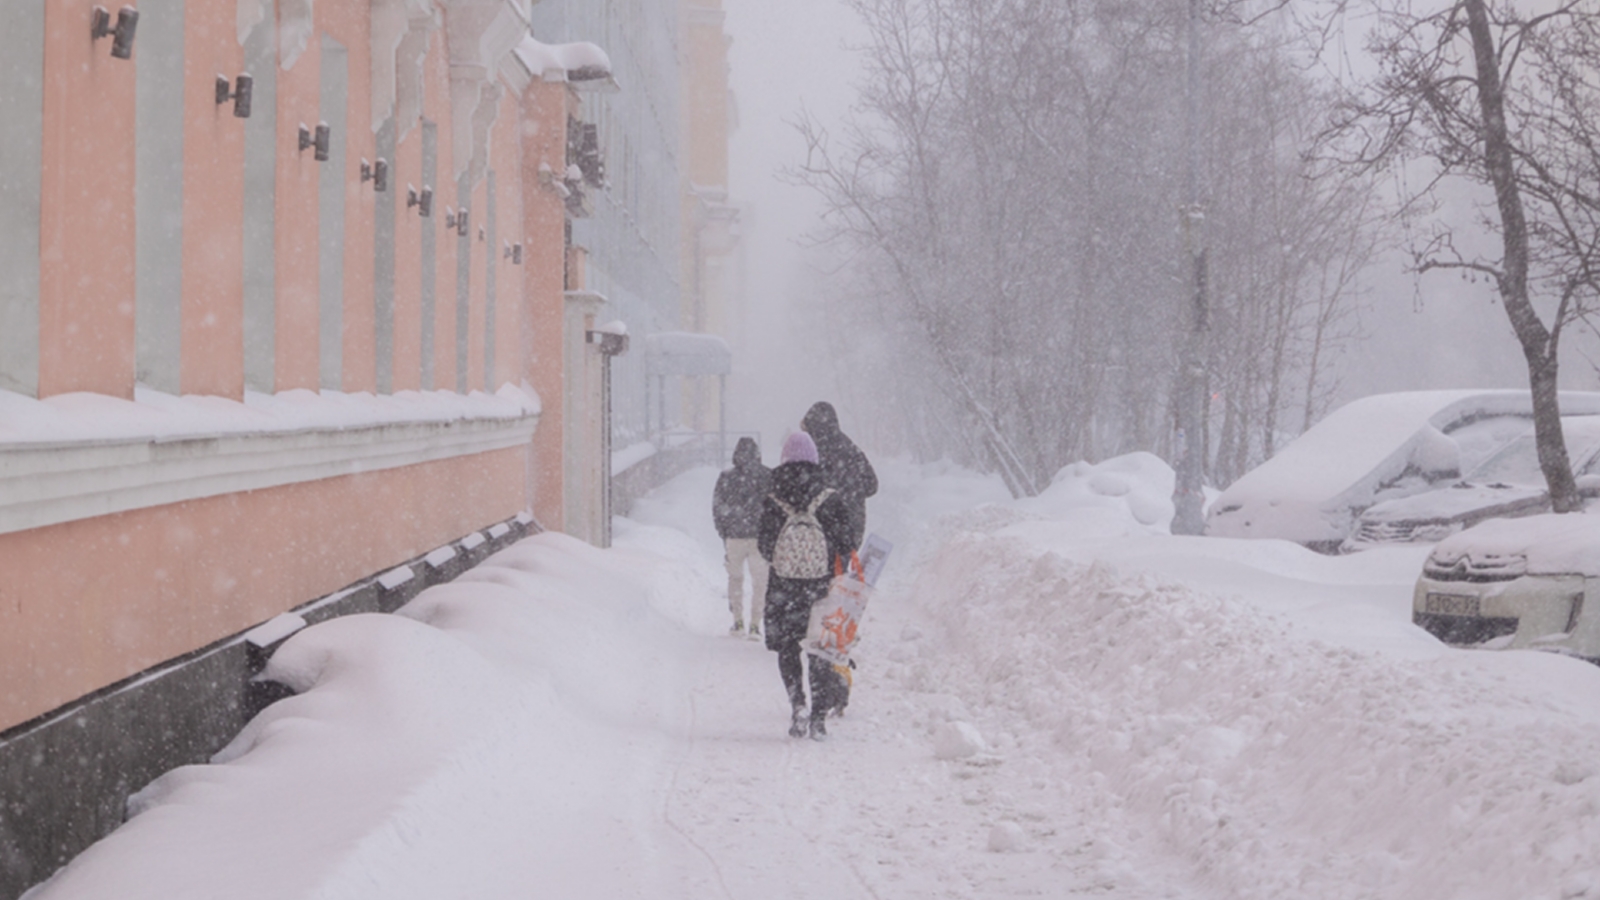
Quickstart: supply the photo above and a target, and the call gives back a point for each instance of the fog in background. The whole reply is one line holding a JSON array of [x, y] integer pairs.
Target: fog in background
[[787, 57]]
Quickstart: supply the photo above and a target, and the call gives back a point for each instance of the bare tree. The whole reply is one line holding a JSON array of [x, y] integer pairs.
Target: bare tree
[[1490, 95], [1008, 192]]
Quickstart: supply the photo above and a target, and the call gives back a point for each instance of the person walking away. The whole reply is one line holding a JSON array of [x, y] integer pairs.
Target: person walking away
[[805, 529], [736, 511], [844, 467]]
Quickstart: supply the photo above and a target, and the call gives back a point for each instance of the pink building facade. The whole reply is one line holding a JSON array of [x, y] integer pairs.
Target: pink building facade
[[381, 233]]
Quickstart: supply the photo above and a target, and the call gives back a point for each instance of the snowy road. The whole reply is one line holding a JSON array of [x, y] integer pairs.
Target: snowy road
[[1053, 700]]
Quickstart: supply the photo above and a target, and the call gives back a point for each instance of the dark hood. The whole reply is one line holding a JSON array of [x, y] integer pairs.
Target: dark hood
[[821, 421], [746, 453]]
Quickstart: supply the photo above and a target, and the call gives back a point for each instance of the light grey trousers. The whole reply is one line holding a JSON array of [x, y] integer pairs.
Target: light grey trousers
[[742, 551]]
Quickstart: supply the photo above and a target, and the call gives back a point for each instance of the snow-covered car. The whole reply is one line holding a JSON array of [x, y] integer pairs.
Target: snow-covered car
[[1370, 450], [1506, 485], [1532, 582]]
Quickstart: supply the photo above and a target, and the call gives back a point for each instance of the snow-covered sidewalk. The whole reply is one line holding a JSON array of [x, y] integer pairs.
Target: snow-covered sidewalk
[[1054, 698]]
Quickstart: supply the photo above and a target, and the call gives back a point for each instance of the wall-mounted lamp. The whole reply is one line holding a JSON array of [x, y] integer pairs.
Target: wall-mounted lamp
[[377, 173], [423, 201], [121, 36], [482, 234], [458, 221], [319, 142], [513, 252], [242, 88]]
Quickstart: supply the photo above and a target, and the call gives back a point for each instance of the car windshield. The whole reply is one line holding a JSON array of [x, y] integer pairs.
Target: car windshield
[[1515, 463], [1518, 461]]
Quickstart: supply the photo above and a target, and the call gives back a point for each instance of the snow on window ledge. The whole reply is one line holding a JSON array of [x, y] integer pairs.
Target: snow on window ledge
[[75, 456]]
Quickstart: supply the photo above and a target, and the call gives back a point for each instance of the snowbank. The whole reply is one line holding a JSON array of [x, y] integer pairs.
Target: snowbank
[[1275, 766], [1129, 494], [387, 775]]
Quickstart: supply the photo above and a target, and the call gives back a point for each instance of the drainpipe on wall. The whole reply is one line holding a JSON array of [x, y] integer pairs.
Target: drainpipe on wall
[[611, 340]]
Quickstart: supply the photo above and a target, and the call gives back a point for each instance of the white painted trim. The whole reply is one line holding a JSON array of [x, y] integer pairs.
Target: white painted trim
[[46, 484]]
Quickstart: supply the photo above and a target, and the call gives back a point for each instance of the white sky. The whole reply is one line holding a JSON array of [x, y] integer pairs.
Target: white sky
[[786, 55]]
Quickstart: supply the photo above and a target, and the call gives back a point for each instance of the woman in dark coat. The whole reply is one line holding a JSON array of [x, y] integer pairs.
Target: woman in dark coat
[[797, 482]]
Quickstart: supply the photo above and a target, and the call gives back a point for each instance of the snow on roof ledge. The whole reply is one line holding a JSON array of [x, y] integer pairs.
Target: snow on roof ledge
[[578, 63]]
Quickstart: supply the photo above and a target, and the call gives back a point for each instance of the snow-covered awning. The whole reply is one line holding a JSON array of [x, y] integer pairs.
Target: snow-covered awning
[[686, 353]]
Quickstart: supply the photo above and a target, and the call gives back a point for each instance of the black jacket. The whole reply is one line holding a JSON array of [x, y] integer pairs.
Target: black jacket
[[789, 600], [844, 466], [736, 501]]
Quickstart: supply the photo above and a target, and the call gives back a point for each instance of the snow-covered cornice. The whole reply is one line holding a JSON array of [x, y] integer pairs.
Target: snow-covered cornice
[[78, 456]]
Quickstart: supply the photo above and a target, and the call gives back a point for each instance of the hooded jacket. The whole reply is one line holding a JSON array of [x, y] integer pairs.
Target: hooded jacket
[[736, 500], [844, 467]]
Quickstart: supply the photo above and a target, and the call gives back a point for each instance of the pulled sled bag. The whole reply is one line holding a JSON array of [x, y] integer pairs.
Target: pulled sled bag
[[836, 618], [801, 550]]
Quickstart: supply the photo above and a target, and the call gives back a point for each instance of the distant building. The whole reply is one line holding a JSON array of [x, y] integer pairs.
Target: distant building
[[654, 245]]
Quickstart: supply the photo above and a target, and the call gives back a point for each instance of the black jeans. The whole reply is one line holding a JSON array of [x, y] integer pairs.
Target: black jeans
[[827, 686]]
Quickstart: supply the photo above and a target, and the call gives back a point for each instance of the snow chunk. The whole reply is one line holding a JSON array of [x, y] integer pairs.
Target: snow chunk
[[1006, 837], [957, 740], [274, 630], [472, 540], [440, 556]]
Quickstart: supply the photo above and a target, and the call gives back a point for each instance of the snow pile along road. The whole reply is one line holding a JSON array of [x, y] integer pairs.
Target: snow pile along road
[[1277, 766]]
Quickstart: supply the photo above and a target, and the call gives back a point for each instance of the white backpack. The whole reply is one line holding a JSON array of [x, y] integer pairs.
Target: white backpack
[[801, 550]]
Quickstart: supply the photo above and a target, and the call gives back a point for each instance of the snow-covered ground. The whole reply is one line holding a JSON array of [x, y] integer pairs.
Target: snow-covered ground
[[1054, 697]]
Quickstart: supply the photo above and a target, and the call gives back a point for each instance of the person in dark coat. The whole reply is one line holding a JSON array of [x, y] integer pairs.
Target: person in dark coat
[[736, 511], [797, 482], [844, 466]]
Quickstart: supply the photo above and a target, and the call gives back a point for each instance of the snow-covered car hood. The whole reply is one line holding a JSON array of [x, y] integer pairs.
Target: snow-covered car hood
[[1459, 502], [1549, 544]]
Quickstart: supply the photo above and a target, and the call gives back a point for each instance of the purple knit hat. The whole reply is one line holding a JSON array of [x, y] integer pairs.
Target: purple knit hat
[[799, 446]]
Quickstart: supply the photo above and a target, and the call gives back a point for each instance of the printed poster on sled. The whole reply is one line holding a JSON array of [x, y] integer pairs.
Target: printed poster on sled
[[836, 618]]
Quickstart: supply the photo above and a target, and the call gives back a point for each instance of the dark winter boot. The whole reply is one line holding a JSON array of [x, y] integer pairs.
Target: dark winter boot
[[797, 722], [819, 727]]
